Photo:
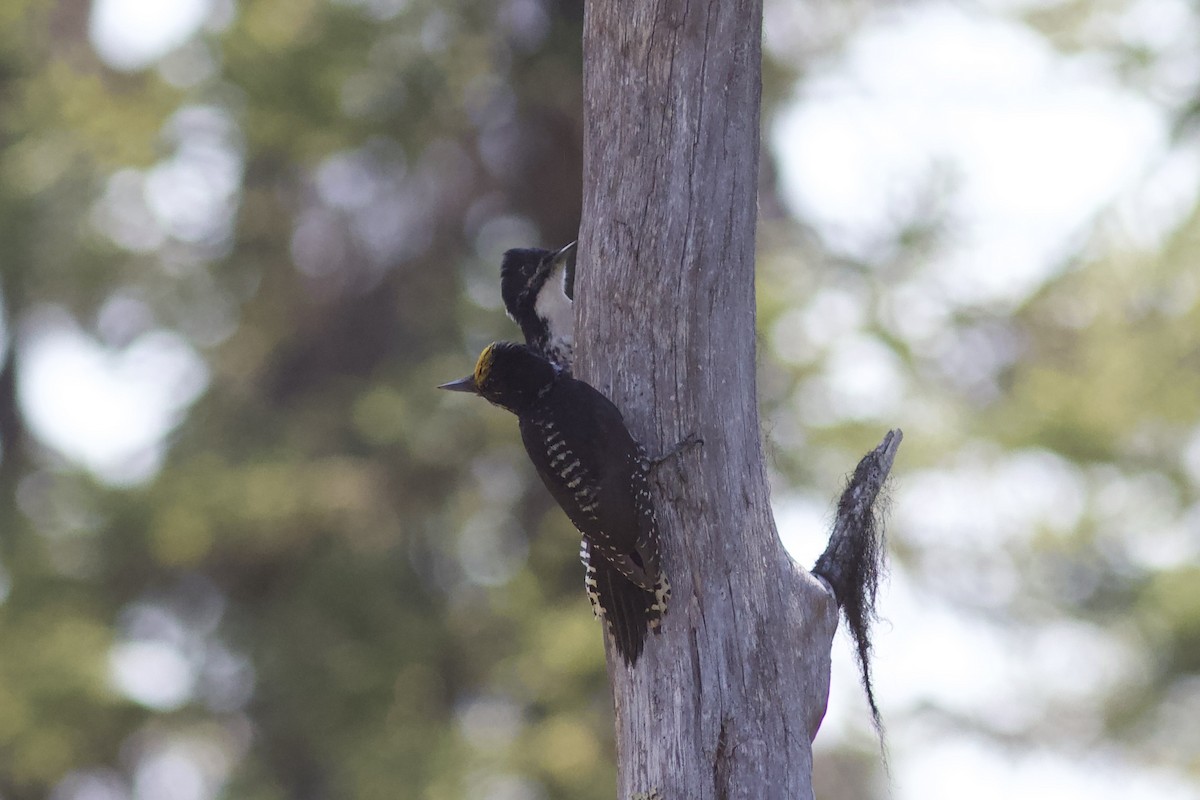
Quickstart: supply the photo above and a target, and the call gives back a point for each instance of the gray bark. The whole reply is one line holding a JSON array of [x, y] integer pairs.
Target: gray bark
[[725, 702]]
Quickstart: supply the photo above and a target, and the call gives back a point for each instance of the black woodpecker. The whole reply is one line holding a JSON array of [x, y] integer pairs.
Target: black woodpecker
[[597, 472], [538, 287], [540, 300]]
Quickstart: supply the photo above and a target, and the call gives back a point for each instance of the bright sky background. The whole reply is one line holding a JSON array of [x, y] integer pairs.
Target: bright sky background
[[107, 409], [1034, 145], [131, 34]]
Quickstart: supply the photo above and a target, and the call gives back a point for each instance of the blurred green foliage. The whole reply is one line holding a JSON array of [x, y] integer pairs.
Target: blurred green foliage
[[341, 583]]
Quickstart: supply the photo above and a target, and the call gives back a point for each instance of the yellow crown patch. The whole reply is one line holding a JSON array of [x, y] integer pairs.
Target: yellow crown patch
[[484, 365]]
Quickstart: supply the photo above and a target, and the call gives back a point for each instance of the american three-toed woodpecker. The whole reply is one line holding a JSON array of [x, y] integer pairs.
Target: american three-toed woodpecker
[[581, 449], [538, 286]]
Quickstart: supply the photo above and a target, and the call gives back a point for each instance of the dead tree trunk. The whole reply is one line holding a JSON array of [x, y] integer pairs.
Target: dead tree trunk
[[725, 702]]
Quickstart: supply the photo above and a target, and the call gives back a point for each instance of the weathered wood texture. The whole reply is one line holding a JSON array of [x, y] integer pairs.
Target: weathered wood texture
[[725, 702]]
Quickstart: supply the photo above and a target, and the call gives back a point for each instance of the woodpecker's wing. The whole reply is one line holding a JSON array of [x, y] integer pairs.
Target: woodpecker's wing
[[580, 447]]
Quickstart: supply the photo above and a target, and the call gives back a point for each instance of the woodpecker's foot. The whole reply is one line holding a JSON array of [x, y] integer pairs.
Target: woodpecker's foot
[[693, 440]]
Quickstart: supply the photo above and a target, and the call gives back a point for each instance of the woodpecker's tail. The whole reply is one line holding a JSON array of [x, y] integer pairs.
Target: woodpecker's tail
[[628, 611], [854, 561]]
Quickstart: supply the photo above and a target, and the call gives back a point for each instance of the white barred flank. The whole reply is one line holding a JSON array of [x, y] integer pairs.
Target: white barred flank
[[626, 610], [662, 596], [585, 468], [590, 584]]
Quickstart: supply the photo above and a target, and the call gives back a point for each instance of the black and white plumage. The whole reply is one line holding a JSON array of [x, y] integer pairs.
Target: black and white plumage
[[596, 471], [538, 287]]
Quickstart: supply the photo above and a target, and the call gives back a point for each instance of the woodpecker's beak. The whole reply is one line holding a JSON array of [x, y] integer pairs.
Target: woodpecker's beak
[[566, 257], [466, 384]]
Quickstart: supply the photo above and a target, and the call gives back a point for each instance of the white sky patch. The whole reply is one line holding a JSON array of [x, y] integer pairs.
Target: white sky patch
[[827, 317], [988, 499], [98, 783], [862, 379], [193, 195], [1027, 145], [490, 722], [132, 34], [1142, 516], [109, 410], [1190, 456], [123, 215], [1163, 200], [950, 769], [153, 673], [927, 653], [1007, 674], [184, 767]]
